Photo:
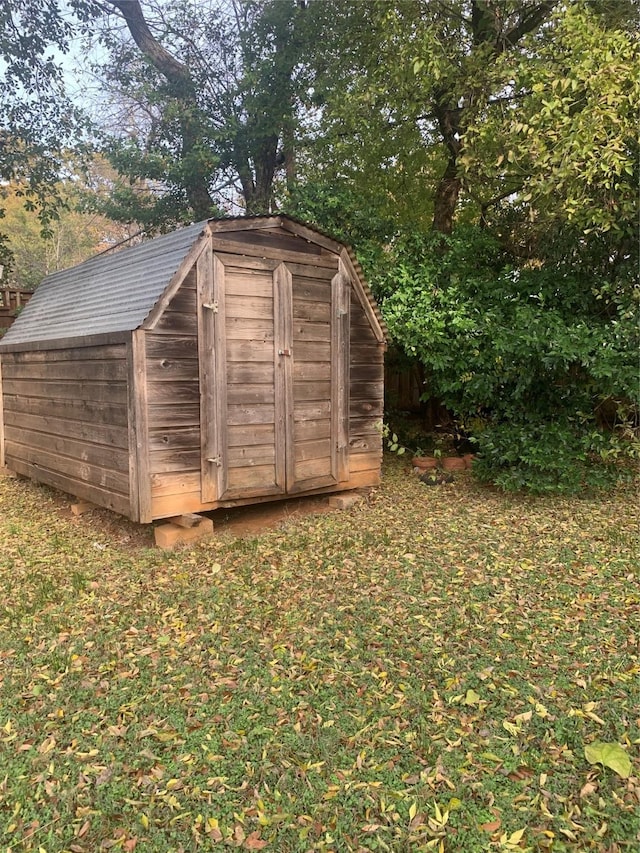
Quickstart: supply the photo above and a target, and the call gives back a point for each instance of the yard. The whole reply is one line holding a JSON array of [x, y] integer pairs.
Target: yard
[[422, 672]]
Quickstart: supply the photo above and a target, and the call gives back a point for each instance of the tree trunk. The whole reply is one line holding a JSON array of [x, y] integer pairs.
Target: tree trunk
[[453, 112], [452, 126], [256, 170], [446, 198], [265, 168]]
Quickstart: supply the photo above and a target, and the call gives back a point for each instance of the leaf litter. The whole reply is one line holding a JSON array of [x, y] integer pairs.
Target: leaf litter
[[445, 669]]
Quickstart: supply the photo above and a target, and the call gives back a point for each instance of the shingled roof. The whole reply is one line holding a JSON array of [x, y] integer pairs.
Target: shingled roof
[[113, 293], [107, 293]]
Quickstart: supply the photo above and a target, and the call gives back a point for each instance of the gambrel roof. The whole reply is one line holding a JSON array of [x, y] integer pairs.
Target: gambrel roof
[[113, 293]]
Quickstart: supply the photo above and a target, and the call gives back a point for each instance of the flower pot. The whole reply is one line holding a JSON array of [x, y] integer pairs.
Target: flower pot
[[453, 463], [424, 463]]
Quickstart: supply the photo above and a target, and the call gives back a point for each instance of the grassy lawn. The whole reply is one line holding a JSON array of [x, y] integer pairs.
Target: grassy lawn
[[423, 672]]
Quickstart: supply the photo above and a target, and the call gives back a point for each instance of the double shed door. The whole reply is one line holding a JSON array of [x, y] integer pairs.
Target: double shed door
[[274, 356]]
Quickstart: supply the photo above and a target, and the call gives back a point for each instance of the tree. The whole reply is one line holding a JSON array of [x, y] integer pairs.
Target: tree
[[403, 83], [523, 316], [527, 324], [71, 237], [211, 89], [577, 133], [37, 118]]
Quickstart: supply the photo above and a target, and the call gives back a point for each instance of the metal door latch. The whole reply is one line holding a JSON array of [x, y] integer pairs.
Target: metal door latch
[[215, 460], [212, 306], [284, 352]]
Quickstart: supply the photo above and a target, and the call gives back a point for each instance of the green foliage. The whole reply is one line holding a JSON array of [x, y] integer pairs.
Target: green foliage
[[401, 84], [391, 439], [579, 125], [533, 350], [336, 208], [38, 120], [569, 151], [542, 456], [209, 109]]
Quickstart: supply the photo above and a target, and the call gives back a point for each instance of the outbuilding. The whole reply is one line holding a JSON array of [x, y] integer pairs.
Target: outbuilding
[[230, 362]]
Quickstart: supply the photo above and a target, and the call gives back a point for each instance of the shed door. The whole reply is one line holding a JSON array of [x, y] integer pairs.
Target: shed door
[[275, 379]]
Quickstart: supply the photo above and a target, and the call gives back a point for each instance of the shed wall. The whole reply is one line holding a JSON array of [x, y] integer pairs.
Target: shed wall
[[366, 378], [173, 395], [66, 422], [119, 423], [173, 382]]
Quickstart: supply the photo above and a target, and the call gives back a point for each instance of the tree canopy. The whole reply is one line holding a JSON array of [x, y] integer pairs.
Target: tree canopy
[[208, 94], [38, 119]]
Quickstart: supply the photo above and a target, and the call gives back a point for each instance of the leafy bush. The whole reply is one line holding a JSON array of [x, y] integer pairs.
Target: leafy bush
[[532, 349], [552, 456]]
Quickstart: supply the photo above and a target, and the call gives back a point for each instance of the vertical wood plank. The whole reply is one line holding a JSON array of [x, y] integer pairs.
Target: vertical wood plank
[[283, 370], [340, 352], [213, 383], [220, 375], [1, 420], [138, 425], [206, 368]]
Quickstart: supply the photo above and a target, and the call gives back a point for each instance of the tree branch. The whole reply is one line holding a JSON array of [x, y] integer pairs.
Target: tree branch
[[174, 70], [531, 18]]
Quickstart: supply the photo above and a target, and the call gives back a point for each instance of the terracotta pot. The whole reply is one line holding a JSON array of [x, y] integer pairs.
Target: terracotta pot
[[453, 463], [424, 463], [468, 459]]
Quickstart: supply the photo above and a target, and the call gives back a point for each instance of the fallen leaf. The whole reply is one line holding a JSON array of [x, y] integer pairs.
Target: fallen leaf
[[254, 842], [471, 698], [588, 789], [610, 755]]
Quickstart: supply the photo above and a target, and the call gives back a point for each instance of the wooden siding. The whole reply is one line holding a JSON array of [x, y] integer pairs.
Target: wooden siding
[[2, 453], [256, 464], [65, 421], [173, 401], [250, 336], [273, 239], [282, 248], [366, 379], [138, 404], [314, 340]]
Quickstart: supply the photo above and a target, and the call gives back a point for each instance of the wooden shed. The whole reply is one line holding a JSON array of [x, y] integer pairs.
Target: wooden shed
[[230, 362]]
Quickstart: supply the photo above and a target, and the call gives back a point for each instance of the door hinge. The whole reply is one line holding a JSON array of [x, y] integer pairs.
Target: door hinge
[[215, 460], [212, 306]]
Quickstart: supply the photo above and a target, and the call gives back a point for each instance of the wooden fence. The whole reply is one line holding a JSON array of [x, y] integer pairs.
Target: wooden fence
[[12, 300], [405, 388]]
